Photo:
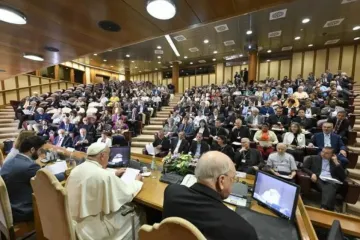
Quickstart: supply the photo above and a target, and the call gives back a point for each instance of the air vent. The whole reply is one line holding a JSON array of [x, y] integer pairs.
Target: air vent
[[221, 28], [51, 49], [332, 41], [159, 52], [164, 67], [180, 38], [2, 70], [274, 34], [109, 26], [347, 1], [277, 14], [202, 61], [229, 43], [333, 23], [288, 48], [194, 49]]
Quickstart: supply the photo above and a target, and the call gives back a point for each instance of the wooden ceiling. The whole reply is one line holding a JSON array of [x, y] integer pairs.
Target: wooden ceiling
[[314, 32], [71, 26]]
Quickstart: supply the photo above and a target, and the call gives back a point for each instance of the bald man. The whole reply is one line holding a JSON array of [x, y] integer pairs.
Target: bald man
[[281, 163], [202, 205]]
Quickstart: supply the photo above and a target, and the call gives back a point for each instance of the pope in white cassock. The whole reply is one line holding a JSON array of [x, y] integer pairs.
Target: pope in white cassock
[[96, 196]]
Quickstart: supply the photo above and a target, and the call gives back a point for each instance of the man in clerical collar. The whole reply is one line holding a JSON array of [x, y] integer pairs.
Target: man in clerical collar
[[248, 159], [199, 146]]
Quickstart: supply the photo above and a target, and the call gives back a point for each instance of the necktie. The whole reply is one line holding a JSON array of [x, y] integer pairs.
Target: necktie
[[59, 142], [337, 125]]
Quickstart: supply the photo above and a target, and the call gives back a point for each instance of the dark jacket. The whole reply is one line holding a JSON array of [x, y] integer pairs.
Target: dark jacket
[[165, 143], [255, 159], [203, 149], [203, 207], [274, 119], [81, 146], [184, 146], [237, 134], [306, 123], [70, 128], [40, 117], [17, 173], [66, 142], [227, 150], [313, 165], [218, 131], [336, 142], [343, 128]]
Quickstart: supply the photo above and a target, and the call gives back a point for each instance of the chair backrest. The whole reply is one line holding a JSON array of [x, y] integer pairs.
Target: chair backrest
[[173, 228], [52, 203], [6, 219]]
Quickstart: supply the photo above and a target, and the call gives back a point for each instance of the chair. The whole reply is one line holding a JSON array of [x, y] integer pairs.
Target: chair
[[7, 227], [52, 204], [173, 228]]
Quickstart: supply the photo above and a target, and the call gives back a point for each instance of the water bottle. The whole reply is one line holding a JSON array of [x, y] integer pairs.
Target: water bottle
[[153, 167]]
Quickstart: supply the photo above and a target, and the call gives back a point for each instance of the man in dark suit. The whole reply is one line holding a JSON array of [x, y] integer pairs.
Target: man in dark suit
[[202, 205], [279, 119], [63, 140], [90, 129], [17, 173], [67, 126], [311, 112], [161, 142], [205, 110], [340, 123], [238, 132], [218, 129], [246, 76], [325, 165], [180, 145], [83, 140], [329, 139], [305, 122], [186, 127], [199, 146], [248, 159]]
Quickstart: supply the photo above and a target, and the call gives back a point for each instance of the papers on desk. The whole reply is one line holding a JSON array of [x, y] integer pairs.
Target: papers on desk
[[330, 179], [285, 176], [254, 129], [130, 175], [236, 143], [240, 174], [57, 167], [27, 112], [234, 200], [69, 149], [151, 150], [189, 180], [277, 129]]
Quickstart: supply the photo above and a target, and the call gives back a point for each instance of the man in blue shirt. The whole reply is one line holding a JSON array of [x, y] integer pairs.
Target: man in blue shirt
[[266, 109]]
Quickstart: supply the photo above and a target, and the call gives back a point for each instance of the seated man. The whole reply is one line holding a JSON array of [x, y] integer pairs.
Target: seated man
[[218, 130], [223, 147], [186, 127], [39, 116], [97, 196], [199, 146], [17, 172], [266, 109], [90, 128], [180, 145], [82, 141], [66, 125], [280, 120], [329, 139], [202, 205], [325, 165], [305, 123], [341, 124], [63, 140], [238, 132], [282, 163], [248, 159], [255, 120], [161, 142]]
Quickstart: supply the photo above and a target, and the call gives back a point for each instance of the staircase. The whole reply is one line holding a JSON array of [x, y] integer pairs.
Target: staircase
[[8, 126], [156, 123], [354, 174]]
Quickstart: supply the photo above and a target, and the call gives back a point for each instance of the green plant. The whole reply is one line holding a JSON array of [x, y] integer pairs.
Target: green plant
[[180, 164]]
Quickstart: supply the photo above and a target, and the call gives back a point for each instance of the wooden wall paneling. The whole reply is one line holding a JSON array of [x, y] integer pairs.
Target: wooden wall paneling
[[285, 69], [302, 65], [357, 66], [219, 73], [186, 83], [340, 57], [354, 62], [320, 62], [333, 62], [258, 70], [198, 80], [205, 80], [234, 70], [29, 84], [63, 85], [11, 96], [36, 80], [17, 88], [245, 66], [10, 83], [35, 89], [308, 63], [227, 75], [146, 77], [263, 73], [23, 81], [41, 87], [268, 69], [181, 84], [192, 81], [54, 87], [212, 78], [23, 93], [3, 87], [296, 65], [169, 81], [274, 69], [2, 99], [46, 88], [347, 59]]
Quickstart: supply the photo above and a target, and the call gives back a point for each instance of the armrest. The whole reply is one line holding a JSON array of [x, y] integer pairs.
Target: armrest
[[304, 181], [351, 191], [351, 137], [127, 136], [353, 158]]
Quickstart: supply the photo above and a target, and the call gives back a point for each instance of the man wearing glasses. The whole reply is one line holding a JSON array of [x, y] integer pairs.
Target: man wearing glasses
[[202, 205]]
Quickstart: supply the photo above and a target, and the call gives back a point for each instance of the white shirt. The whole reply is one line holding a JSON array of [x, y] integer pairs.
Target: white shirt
[[156, 99], [308, 113], [95, 197], [198, 119], [108, 141], [177, 146], [327, 140]]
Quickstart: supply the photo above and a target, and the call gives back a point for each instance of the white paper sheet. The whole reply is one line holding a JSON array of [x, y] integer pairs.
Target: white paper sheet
[[57, 167], [151, 150], [330, 179], [130, 175], [240, 174], [236, 143], [285, 176]]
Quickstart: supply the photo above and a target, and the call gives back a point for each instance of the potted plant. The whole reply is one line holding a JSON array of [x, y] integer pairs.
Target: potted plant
[[181, 164]]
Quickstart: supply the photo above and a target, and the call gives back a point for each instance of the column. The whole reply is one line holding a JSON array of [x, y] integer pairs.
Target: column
[[175, 75], [56, 72], [127, 74], [72, 75], [252, 66]]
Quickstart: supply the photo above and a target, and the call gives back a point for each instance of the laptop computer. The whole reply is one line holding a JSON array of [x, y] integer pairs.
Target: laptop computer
[[119, 157]]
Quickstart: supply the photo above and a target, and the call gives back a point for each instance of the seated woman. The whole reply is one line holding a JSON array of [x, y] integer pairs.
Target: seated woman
[[203, 129], [46, 131], [105, 138], [106, 117], [295, 142], [265, 139], [225, 148], [170, 128], [290, 107]]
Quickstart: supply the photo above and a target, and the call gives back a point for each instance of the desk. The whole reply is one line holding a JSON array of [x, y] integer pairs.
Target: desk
[[152, 195]]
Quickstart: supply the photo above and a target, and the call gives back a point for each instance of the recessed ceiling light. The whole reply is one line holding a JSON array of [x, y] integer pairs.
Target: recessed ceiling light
[[214, 59], [172, 45], [356, 28], [268, 60], [132, 61], [12, 16], [127, 55], [185, 57], [357, 38], [33, 57], [244, 62], [139, 71], [249, 32], [215, 52], [158, 57], [310, 45], [95, 54], [158, 47], [297, 38], [241, 55], [269, 51], [200, 68], [171, 66], [191, 63], [156, 69], [159, 62], [206, 41], [111, 66], [161, 9], [305, 20], [136, 67], [105, 60]]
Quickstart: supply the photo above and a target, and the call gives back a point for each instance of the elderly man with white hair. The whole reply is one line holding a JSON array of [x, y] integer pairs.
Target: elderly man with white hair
[[281, 163], [97, 196], [202, 205], [300, 94]]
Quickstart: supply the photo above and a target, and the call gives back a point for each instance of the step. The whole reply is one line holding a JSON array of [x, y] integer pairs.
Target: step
[[157, 122], [162, 114], [353, 208], [9, 107], [9, 135], [354, 173], [6, 110], [7, 120], [149, 132], [153, 127], [9, 129], [10, 124], [357, 126], [357, 121], [137, 150], [143, 138], [8, 113], [354, 149], [7, 116], [139, 144], [158, 119]]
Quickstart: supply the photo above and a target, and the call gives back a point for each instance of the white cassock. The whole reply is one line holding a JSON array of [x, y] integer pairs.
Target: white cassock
[[95, 196]]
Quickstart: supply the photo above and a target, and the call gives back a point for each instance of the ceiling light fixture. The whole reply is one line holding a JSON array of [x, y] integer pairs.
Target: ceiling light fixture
[[136, 67], [171, 66], [297, 38], [241, 55], [128, 55], [111, 66], [269, 51], [244, 62], [185, 57], [132, 61], [305, 20], [206, 41], [12, 16], [310, 45], [172, 45], [158, 47], [356, 28], [191, 63], [214, 59], [95, 54], [161, 9], [105, 60], [33, 57], [159, 57], [357, 38], [156, 69], [215, 52], [159, 62], [268, 60], [248, 32]]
